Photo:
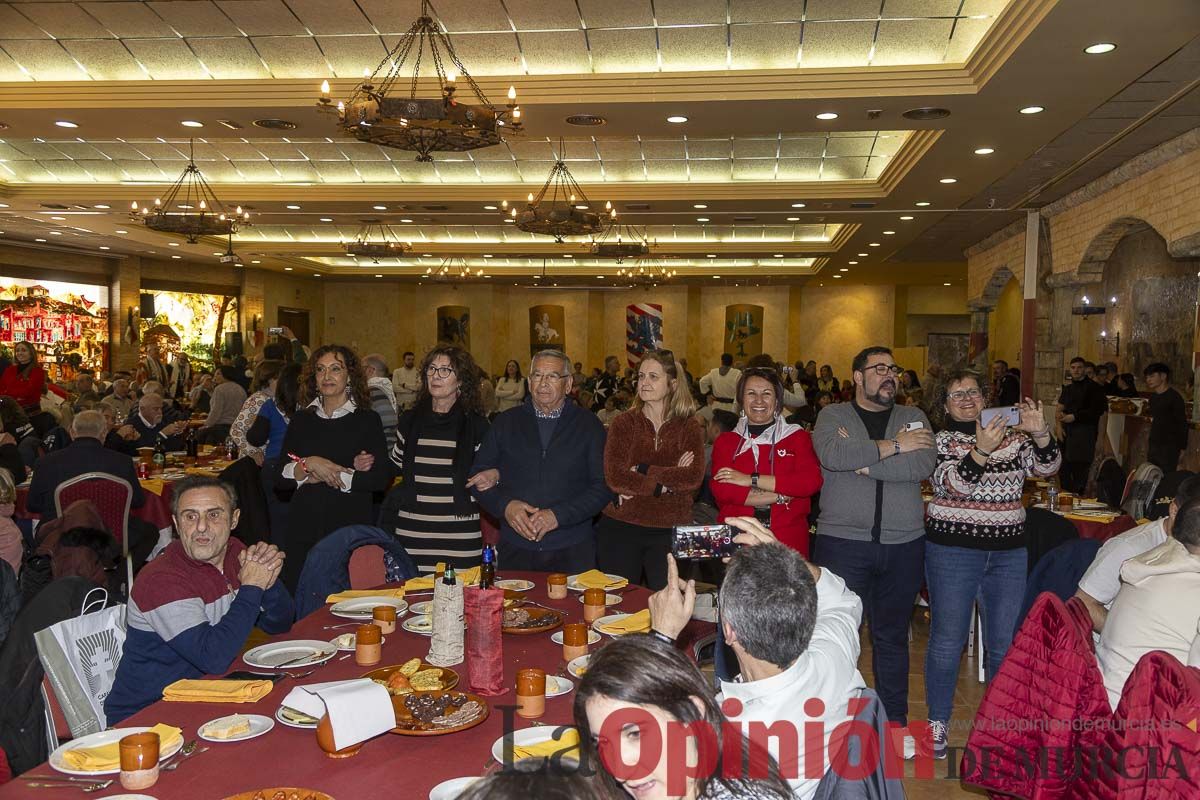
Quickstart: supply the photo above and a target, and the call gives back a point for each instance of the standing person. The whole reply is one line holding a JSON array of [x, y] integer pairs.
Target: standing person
[[437, 518], [654, 461], [267, 432], [383, 395], [227, 399], [766, 467], [975, 533], [510, 388], [487, 394], [689, 381], [827, 382], [334, 425], [153, 366], [550, 457], [722, 383], [871, 531], [24, 380], [1168, 425], [180, 377], [1006, 389], [608, 384], [265, 376], [406, 381], [1080, 406]]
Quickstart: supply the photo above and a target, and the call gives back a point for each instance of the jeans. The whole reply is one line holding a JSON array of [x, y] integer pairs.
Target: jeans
[[957, 577], [886, 577]]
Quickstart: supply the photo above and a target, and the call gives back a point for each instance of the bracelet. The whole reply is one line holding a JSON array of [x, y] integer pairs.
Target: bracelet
[[753, 480], [985, 455], [662, 637]]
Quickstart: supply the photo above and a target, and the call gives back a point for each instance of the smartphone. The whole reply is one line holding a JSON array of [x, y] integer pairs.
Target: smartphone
[[275, 331], [915, 425], [702, 542], [1011, 415]]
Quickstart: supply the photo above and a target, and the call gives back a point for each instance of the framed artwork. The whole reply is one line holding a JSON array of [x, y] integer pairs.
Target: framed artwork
[[743, 330], [643, 330], [547, 328], [454, 326]]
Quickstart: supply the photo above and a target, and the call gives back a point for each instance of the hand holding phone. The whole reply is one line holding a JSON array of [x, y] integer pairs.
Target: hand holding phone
[[1011, 415], [702, 542], [275, 331]]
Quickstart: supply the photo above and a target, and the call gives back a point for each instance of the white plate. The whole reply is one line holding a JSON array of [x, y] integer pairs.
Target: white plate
[[451, 789], [557, 687], [258, 726], [353, 642], [573, 582], [598, 625], [361, 607], [423, 607], [609, 599], [556, 637], [100, 739], [422, 625], [307, 726], [270, 656], [526, 737], [515, 585], [576, 664]]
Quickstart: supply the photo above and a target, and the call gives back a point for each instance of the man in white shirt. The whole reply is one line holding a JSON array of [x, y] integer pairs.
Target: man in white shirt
[[722, 383], [406, 381], [1099, 585], [794, 629]]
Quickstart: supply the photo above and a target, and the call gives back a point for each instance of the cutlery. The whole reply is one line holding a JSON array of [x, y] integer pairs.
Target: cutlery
[[343, 658], [344, 625], [297, 675], [184, 752], [85, 787], [63, 778], [308, 657], [175, 764]]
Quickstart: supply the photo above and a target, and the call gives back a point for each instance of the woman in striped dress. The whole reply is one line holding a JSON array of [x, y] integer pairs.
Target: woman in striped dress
[[437, 519]]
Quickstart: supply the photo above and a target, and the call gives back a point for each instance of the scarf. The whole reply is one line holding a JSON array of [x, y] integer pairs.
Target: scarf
[[777, 431], [466, 431]]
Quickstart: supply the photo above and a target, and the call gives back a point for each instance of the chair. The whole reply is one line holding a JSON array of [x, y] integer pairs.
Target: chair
[[327, 568], [57, 728], [366, 567], [112, 497], [1139, 490]]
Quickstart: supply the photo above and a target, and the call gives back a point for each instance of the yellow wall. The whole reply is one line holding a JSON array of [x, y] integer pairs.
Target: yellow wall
[[837, 322], [1004, 325], [301, 293], [937, 300]]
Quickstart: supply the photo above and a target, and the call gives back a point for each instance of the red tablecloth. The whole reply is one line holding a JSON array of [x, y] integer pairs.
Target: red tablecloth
[[156, 509], [387, 766], [1098, 529]]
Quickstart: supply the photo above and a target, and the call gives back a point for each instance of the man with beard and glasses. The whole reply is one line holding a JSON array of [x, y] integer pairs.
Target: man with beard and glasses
[[874, 455]]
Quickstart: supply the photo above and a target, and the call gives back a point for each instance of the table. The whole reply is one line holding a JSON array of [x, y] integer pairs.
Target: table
[[389, 765]]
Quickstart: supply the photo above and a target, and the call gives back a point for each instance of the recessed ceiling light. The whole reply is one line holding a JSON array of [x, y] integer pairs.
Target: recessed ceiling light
[[39, 240], [889, 233], [1099, 48], [700, 206], [191, 123], [378, 276], [872, 244], [379, 208], [506, 219], [3, 205], [798, 205], [105, 247], [567, 255], [827, 115], [293, 208], [172, 244], [906, 218], [793, 219], [677, 120], [863, 255], [945, 284], [121, 231], [490, 208], [600, 276], [837, 276], [487, 255], [326, 219], [701, 219], [716, 276], [65, 123], [984, 151], [316, 274], [1032, 110], [255, 262], [922, 203], [779, 255], [409, 220], [176, 256], [101, 206], [582, 207], [218, 253], [711, 255], [59, 219], [287, 269], [426, 255], [851, 262], [844, 269], [948, 180], [56, 233]]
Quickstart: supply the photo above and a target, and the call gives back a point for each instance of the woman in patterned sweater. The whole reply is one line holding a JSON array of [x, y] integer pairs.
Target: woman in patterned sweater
[[975, 532]]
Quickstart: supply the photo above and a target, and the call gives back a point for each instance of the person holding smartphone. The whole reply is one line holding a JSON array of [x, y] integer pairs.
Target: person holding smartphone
[[975, 531]]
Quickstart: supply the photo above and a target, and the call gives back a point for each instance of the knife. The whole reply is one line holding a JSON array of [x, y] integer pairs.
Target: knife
[[294, 661]]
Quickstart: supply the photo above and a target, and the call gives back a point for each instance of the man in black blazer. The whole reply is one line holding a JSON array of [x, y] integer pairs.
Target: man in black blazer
[[150, 422], [85, 453]]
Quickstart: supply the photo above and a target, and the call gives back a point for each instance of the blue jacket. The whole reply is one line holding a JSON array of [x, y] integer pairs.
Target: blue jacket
[[566, 478], [327, 567]]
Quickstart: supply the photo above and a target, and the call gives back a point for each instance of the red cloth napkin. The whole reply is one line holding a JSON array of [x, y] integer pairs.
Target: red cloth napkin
[[484, 611]]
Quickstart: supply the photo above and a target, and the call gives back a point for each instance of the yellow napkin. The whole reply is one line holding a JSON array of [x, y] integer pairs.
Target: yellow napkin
[[354, 594], [634, 623], [595, 579], [108, 757], [205, 471], [155, 485], [466, 577], [1105, 519], [568, 746], [195, 691]]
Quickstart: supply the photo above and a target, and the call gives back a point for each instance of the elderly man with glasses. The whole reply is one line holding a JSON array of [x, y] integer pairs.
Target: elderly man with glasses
[[549, 454], [871, 532]]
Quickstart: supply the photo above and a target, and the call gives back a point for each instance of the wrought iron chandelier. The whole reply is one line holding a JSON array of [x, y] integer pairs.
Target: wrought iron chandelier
[[561, 208], [375, 240], [621, 242], [422, 125], [647, 271], [191, 208], [453, 268]]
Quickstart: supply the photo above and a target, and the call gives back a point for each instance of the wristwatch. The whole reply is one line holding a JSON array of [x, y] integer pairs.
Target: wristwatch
[[662, 637], [753, 480], [896, 444]]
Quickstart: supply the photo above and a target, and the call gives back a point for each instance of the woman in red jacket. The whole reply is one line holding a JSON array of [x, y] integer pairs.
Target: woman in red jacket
[[24, 381], [766, 468], [654, 462]]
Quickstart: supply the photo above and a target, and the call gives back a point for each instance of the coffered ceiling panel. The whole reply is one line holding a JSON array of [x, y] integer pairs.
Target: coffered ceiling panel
[[194, 18], [63, 20], [129, 19]]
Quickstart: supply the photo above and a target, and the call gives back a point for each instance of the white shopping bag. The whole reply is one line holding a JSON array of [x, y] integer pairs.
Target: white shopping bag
[[80, 656]]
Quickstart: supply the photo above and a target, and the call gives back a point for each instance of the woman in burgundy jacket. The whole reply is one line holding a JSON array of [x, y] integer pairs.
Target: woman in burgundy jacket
[[766, 468], [654, 462]]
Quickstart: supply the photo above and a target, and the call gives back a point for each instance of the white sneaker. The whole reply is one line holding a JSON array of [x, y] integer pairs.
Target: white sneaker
[[910, 748]]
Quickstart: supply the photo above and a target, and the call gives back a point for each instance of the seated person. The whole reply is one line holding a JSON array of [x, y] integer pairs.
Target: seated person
[[794, 629], [151, 423], [227, 399], [1158, 606], [193, 607], [1099, 585], [85, 453]]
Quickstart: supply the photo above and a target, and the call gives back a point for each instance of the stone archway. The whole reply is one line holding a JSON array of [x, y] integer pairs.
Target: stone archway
[[1103, 243]]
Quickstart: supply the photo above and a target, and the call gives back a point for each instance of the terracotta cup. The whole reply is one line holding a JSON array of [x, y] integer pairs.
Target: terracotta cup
[[368, 645], [556, 585], [531, 693], [139, 760], [385, 618], [325, 739], [593, 604], [575, 640]]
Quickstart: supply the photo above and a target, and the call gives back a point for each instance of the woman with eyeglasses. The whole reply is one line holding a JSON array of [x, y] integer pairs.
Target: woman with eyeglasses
[[434, 515], [334, 454], [654, 462], [975, 531], [766, 467]]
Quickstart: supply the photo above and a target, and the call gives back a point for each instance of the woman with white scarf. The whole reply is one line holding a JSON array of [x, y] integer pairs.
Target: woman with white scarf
[[766, 468]]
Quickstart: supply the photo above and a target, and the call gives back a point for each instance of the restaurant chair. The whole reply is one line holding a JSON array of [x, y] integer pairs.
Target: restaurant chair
[[1059, 572], [111, 496], [366, 567], [327, 568], [1140, 489], [1160, 706]]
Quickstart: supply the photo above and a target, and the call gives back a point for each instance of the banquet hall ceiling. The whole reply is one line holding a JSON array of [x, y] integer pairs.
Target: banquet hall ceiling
[[752, 182]]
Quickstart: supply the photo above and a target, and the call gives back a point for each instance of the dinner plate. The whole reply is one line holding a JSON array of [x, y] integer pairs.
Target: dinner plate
[[353, 642], [407, 726], [99, 739], [423, 607], [451, 789], [578, 666], [609, 599], [557, 637], [422, 625], [599, 624], [528, 736], [557, 687], [361, 607], [515, 585], [540, 620], [294, 723], [449, 676], [276, 654], [573, 581], [258, 726]]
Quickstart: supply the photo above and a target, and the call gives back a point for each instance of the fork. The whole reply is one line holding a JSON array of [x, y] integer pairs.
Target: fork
[[85, 787], [345, 625], [185, 751], [175, 764]]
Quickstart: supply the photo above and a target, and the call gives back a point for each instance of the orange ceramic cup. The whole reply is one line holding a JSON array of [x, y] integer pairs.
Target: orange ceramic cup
[[368, 645], [593, 604], [139, 760], [531, 693], [385, 618], [556, 585], [575, 640], [325, 739]]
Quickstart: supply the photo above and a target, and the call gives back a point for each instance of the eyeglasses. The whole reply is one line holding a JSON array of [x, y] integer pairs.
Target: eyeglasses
[[884, 369], [545, 377], [441, 372], [965, 394]]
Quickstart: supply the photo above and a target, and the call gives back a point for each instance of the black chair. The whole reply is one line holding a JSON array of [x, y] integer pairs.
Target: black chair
[[1110, 483], [1044, 531]]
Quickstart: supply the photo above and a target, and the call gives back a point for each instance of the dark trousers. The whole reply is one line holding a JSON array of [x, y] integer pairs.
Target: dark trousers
[[629, 550], [1165, 457], [886, 577], [1073, 476], [571, 560]]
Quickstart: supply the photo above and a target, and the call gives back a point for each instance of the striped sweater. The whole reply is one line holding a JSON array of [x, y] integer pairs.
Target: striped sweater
[[980, 506]]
